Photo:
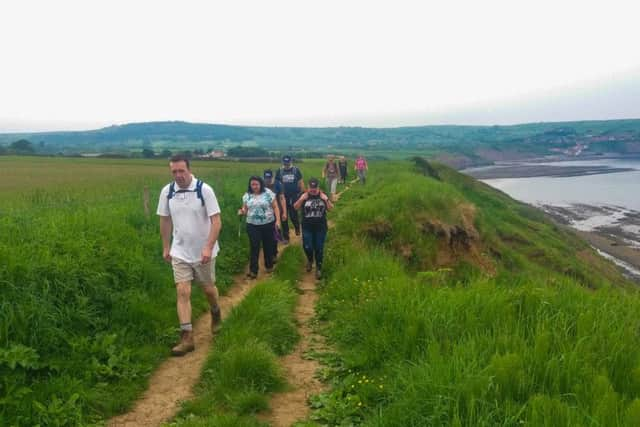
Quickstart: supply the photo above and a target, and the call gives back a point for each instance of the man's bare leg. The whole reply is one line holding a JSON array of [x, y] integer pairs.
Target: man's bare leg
[[183, 303], [183, 290], [211, 292]]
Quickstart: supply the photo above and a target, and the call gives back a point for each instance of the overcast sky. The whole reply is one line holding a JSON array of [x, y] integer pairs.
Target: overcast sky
[[84, 64]]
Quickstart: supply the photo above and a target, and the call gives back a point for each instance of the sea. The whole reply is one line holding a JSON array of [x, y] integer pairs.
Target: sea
[[605, 202]]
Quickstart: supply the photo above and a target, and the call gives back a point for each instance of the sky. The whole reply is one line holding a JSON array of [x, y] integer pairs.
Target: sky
[[85, 64]]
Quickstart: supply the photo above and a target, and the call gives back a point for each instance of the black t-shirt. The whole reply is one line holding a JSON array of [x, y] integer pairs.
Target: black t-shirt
[[289, 179], [314, 213]]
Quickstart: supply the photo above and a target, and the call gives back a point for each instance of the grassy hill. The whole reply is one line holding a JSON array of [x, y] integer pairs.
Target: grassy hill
[[472, 309], [447, 303], [457, 145]]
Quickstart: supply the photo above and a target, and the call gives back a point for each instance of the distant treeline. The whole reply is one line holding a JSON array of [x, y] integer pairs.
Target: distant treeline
[[458, 146], [25, 147]]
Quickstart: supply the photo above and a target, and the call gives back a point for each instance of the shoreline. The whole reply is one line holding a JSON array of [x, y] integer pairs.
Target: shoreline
[[527, 170], [613, 238], [553, 167], [614, 231], [616, 249]]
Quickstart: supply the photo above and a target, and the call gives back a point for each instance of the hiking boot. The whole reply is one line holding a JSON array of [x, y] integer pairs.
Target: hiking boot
[[251, 275], [309, 266], [285, 241], [216, 320], [318, 274], [297, 231], [269, 270], [185, 345]]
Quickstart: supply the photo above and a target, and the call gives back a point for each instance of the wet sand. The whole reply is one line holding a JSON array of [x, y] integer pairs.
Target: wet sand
[[610, 229], [528, 170], [613, 230]]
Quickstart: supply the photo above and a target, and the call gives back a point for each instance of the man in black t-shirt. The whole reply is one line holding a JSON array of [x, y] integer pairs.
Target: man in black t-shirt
[[314, 204], [291, 179]]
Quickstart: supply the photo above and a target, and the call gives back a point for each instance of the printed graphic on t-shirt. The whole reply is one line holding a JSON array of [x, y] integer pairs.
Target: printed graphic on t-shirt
[[314, 208], [288, 178], [260, 210]]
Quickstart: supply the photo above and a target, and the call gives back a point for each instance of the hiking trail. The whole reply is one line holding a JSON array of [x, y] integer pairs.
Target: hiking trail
[[293, 405], [172, 382]]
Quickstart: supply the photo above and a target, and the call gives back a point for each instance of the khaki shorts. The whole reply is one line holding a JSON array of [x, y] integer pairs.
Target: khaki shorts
[[187, 271]]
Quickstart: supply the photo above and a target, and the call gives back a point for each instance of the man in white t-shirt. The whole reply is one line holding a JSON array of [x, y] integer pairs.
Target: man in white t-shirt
[[189, 208]]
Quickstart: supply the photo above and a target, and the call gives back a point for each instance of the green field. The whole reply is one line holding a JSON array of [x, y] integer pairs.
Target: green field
[[88, 305], [468, 309]]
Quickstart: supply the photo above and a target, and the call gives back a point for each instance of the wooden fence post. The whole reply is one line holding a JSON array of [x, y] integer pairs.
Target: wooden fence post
[[146, 201]]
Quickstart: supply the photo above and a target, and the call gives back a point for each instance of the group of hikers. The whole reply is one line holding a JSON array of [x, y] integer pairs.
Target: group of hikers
[[190, 226]]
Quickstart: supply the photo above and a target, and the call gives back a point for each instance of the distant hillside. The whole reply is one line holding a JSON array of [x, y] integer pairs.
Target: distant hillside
[[456, 145]]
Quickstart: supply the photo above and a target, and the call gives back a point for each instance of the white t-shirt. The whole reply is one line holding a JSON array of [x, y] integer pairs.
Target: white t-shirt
[[191, 220]]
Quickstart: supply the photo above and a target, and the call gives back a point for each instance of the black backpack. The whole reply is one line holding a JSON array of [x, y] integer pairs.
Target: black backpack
[[198, 191]]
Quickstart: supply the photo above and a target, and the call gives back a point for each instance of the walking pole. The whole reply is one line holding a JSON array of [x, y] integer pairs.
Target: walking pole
[[239, 227]]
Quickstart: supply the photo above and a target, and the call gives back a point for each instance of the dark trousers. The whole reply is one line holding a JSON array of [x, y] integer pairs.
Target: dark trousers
[[274, 251], [313, 244], [260, 235], [292, 215]]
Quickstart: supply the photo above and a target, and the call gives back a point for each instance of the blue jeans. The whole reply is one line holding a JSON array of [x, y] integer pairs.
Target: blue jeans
[[313, 244]]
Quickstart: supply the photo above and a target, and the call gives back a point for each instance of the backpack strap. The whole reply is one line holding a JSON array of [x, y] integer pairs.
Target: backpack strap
[[199, 191]]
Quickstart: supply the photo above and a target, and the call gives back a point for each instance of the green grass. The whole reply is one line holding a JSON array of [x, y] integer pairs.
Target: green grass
[[530, 344], [87, 306], [243, 368], [395, 209], [525, 326]]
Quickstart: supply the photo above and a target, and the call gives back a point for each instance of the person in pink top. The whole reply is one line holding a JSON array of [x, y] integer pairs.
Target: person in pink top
[[361, 168]]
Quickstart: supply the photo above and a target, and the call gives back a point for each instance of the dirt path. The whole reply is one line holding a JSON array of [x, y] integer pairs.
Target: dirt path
[[174, 379], [291, 406], [346, 188], [172, 383]]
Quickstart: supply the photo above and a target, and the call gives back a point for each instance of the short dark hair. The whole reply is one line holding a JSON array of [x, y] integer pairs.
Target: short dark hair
[[255, 178], [180, 158]]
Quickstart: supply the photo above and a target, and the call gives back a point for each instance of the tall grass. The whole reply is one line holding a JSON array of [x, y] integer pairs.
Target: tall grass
[[87, 305], [454, 347], [243, 368]]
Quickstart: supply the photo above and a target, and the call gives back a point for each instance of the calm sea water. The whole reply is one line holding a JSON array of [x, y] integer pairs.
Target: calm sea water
[[617, 189]]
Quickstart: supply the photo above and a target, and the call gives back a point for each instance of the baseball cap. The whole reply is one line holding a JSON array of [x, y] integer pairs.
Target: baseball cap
[[313, 183], [268, 174], [286, 159]]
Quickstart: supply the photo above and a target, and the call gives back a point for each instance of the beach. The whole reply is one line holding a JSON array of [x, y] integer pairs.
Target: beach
[[599, 199]]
